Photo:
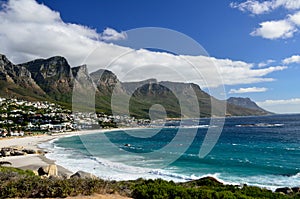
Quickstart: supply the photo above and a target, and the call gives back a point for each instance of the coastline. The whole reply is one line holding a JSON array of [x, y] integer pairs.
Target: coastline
[[35, 161]]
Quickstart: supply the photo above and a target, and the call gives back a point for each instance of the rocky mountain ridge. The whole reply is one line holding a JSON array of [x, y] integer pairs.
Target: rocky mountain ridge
[[53, 79]]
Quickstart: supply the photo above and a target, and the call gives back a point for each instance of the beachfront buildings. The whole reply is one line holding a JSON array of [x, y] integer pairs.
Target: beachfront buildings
[[20, 117]]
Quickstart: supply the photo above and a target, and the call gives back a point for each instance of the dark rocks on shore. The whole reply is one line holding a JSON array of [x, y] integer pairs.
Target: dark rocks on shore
[[52, 171], [288, 190], [296, 189], [29, 151], [15, 151], [48, 171], [5, 163], [82, 174]]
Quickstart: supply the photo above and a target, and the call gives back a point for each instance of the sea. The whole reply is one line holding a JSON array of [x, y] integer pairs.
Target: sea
[[262, 151]]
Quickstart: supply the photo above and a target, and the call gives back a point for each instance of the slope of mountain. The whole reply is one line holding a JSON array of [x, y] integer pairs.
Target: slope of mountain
[[53, 75], [17, 81], [53, 79], [246, 103]]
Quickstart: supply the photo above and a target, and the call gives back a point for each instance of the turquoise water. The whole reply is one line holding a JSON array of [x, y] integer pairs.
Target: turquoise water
[[262, 151]]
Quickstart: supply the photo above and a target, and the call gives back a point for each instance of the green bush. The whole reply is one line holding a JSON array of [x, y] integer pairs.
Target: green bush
[[16, 183], [203, 188], [15, 170]]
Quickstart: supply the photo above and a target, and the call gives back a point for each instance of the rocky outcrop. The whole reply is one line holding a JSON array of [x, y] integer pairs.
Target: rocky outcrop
[[53, 75], [106, 82], [82, 80], [5, 163], [82, 174], [284, 190], [48, 171], [288, 190], [15, 151], [296, 189]]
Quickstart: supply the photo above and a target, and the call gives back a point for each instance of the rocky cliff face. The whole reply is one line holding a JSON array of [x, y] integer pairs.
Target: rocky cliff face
[[15, 79], [82, 77], [53, 75], [106, 82]]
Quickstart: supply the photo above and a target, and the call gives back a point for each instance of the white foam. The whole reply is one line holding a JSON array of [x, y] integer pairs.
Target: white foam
[[113, 170], [260, 125]]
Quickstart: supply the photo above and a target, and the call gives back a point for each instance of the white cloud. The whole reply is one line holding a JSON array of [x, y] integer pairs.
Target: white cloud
[[292, 59], [295, 18], [282, 106], [266, 63], [288, 4], [275, 29], [248, 90], [254, 7], [281, 102], [260, 7], [110, 34], [29, 30]]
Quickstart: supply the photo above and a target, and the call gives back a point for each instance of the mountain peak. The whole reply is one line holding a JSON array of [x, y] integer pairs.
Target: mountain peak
[[53, 78], [4, 61], [245, 103], [80, 70], [53, 67], [58, 59]]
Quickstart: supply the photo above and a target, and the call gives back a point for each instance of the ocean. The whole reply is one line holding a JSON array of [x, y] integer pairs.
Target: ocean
[[261, 151]]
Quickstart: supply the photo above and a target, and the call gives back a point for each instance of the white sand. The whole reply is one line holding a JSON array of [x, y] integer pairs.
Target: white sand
[[35, 161]]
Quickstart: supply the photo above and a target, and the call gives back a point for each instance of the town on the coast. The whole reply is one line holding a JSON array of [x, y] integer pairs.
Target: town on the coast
[[20, 117]]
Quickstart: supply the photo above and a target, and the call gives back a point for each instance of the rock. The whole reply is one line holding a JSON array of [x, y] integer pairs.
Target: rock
[[29, 151], [41, 171], [285, 190], [35, 172], [16, 153], [82, 174], [50, 170], [296, 189], [5, 153], [4, 162]]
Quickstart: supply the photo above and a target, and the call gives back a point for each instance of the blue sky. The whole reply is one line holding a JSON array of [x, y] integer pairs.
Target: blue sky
[[259, 38]]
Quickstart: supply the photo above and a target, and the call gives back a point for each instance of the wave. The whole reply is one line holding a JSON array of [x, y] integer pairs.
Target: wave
[[271, 182], [297, 175], [260, 125], [292, 149], [111, 169], [203, 126]]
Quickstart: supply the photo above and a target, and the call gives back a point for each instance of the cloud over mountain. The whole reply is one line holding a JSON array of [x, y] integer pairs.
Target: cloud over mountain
[[29, 30], [249, 90]]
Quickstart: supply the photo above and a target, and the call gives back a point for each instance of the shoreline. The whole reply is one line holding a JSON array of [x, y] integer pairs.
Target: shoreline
[[35, 161]]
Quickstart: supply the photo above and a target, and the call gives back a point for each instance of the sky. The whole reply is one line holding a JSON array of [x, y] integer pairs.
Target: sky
[[248, 48]]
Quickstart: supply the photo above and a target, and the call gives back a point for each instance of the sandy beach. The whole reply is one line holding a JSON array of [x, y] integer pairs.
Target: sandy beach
[[35, 161]]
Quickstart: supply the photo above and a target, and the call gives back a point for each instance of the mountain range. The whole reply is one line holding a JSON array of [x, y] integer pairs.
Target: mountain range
[[53, 79]]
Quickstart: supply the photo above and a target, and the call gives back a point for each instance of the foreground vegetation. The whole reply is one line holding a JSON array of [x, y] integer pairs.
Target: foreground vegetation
[[19, 183]]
